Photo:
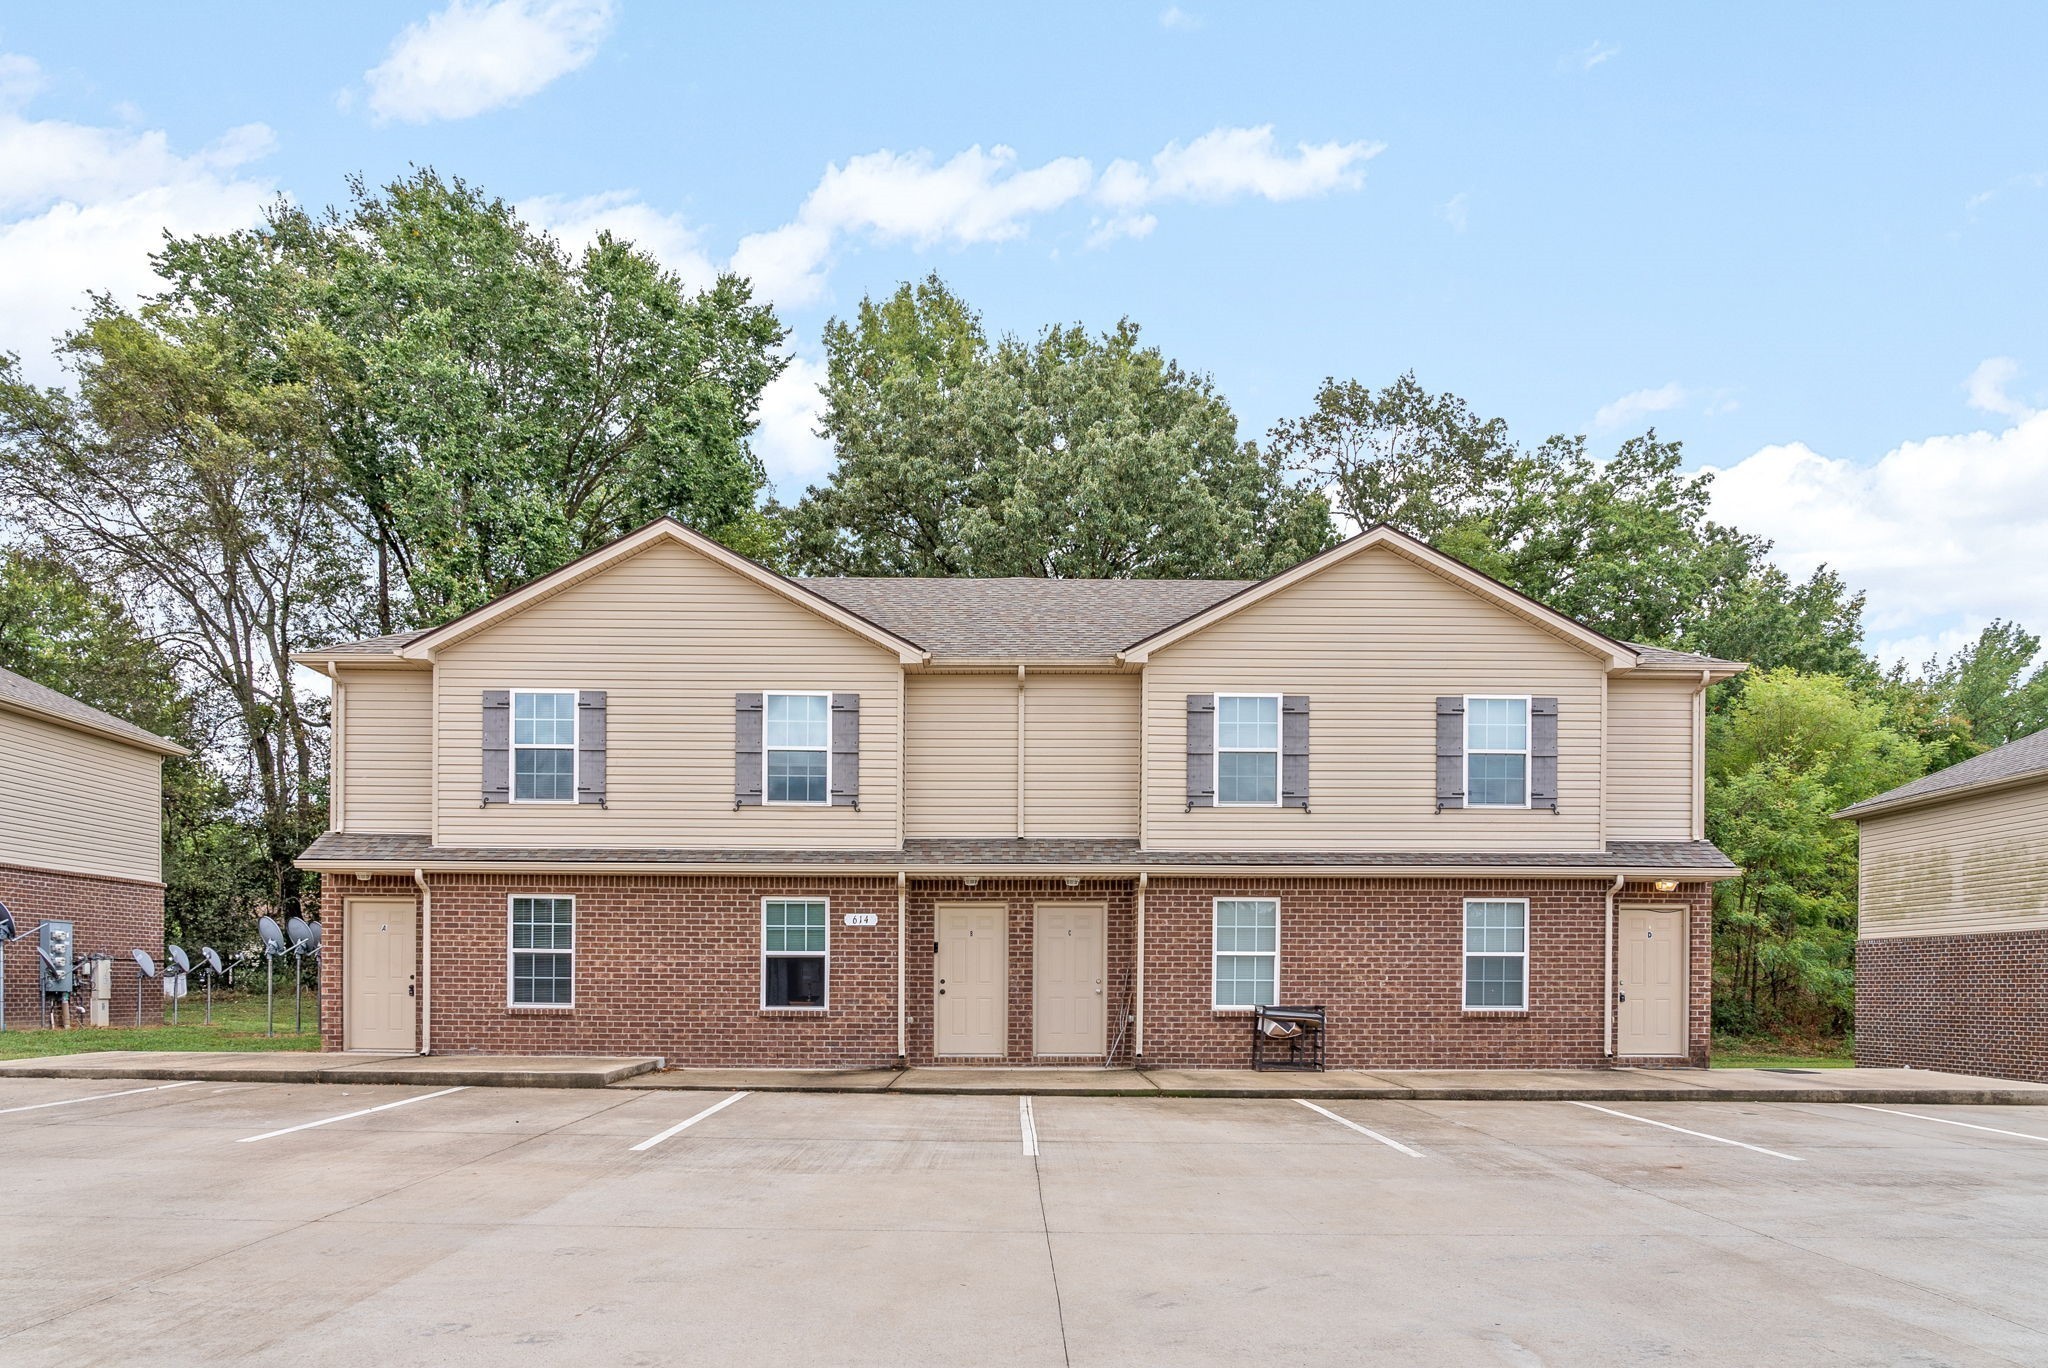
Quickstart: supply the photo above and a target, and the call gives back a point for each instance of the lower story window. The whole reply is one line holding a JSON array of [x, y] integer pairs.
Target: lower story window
[[1496, 954], [793, 952], [543, 952], [1247, 952]]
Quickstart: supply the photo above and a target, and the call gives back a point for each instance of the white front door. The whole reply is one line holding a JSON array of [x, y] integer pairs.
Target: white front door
[[1067, 977], [377, 969], [1652, 982], [973, 968]]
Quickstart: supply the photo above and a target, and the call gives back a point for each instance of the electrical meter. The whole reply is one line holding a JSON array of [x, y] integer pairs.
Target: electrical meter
[[53, 938]]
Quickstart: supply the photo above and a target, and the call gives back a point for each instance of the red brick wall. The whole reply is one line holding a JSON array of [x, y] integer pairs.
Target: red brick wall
[[111, 916], [1385, 957], [670, 965], [1964, 1004]]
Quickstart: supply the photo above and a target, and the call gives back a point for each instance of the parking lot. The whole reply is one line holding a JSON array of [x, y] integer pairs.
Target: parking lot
[[210, 1222]]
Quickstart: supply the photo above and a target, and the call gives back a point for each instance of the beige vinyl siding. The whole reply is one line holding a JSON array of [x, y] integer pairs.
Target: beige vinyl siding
[[1651, 788], [387, 759], [1971, 864], [78, 803], [1081, 755], [960, 755], [672, 637], [1373, 641]]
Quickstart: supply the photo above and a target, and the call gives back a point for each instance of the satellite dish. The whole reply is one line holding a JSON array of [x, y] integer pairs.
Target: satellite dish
[[313, 937], [144, 962], [295, 929], [273, 939], [212, 958], [181, 959], [6, 923]]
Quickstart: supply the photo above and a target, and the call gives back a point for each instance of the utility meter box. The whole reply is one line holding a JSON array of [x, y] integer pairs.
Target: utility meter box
[[53, 938]]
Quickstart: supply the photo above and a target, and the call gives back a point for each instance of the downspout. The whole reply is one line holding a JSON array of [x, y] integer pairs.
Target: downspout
[[1699, 757], [1608, 1030], [1138, 1026], [419, 876], [902, 905], [1020, 752]]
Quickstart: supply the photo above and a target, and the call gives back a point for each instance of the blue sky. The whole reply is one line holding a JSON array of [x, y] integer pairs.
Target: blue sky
[[1807, 241]]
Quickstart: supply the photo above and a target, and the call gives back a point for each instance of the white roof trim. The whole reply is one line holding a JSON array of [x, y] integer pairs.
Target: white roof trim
[[1617, 655], [424, 646], [139, 739]]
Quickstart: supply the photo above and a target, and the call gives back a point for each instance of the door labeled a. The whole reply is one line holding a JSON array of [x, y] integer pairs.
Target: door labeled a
[[972, 972], [377, 970], [1067, 976], [1651, 979]]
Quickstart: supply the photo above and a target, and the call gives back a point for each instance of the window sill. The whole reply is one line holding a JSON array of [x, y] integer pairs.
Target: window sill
[[1493, 1011], [541, 1008], [794, 1011]]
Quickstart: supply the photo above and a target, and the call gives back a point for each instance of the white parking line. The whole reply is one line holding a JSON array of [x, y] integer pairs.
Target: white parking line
[[97, 1097], [1028, 1127], [348, 1116], [1717, 1139], [1362, 1130], [679, 1127], [1944, 1121]]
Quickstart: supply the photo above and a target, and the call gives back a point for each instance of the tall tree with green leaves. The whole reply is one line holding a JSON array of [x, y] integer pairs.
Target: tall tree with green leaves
[[495, 406], [1073, 455]]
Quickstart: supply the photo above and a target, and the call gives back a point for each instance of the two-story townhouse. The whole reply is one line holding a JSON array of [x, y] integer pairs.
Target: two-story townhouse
[[666, 801]]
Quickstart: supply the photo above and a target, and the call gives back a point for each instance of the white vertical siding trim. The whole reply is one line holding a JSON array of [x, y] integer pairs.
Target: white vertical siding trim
[[337, 752]]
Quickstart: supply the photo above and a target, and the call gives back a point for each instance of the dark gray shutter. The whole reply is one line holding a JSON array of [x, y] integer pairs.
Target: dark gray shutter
[[1450, 752], [1201, 750], [746, 750], [590, 762], [497, 746], [1543, 753], [1294, 751], [846, 750]]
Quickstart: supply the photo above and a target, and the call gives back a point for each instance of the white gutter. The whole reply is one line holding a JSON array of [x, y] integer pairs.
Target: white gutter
[[419, 876], [1138, 1025], [902, 904], [999, 870], [1607, 1037]]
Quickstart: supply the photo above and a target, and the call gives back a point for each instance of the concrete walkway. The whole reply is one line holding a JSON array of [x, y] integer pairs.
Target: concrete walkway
[[1445, 1085], [291, 1066]]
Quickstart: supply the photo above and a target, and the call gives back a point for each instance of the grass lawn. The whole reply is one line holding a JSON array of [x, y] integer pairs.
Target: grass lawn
[[1730, 1053], [237, 1025]]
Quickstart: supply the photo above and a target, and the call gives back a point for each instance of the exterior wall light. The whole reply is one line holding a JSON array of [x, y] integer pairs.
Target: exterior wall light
[[1666, 885]]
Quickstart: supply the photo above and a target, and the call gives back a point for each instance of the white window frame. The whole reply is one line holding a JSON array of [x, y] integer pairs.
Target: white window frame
[[1277, 750], [1216, 954], [767, 750], [513, 747], [1528, 702], [1465, 955], [767, 954], [510, 952]]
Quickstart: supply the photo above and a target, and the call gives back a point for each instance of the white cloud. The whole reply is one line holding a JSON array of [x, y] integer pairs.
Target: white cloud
[[1987, 388], [787, 440], [479, 55], [669, 237], [1457, 211], [1590, 56], [82, 207], [1945, 533], [1634, 407], [1174, 17], [1231, 163]]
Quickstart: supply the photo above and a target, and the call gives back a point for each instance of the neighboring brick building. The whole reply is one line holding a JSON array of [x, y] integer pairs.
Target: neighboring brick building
[[668, 802], [1952, 936], [81, 839]]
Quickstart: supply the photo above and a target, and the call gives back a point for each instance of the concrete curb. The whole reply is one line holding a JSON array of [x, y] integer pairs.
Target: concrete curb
[[436, 1070]]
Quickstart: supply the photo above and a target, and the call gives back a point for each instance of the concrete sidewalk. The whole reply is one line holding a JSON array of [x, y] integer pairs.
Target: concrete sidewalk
[[288, 1066]]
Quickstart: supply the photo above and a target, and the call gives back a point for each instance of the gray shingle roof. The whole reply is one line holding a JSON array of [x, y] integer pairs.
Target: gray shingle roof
[[999, 853], [1024, 619], [1659, 658], [29, 696], [368, 646], [2013, 760]]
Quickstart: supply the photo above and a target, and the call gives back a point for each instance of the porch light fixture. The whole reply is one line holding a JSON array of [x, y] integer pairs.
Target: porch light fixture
[[1666, 885], [972, 880], [1073, 881]]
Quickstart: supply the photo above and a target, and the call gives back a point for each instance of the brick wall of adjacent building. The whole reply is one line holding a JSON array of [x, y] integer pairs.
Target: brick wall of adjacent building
[[670, 965], [1385, 958], [1974, 1004], [109, 916]]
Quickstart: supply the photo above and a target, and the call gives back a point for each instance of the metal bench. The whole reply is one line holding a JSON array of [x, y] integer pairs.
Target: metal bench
[[1288, 1037]]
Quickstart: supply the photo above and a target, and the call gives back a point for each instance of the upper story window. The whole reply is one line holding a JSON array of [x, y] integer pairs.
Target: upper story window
[[1496, 752], [1248, 749], [543, 746], [797, 741]]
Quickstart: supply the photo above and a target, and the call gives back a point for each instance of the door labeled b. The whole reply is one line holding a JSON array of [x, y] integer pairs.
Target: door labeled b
[[1068, 975], [972, 988], [1651, 980]]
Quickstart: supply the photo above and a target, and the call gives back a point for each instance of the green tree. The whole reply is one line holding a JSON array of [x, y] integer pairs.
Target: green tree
[[1785, 754], [495, 407], [1988, 688], [1073, 455]]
